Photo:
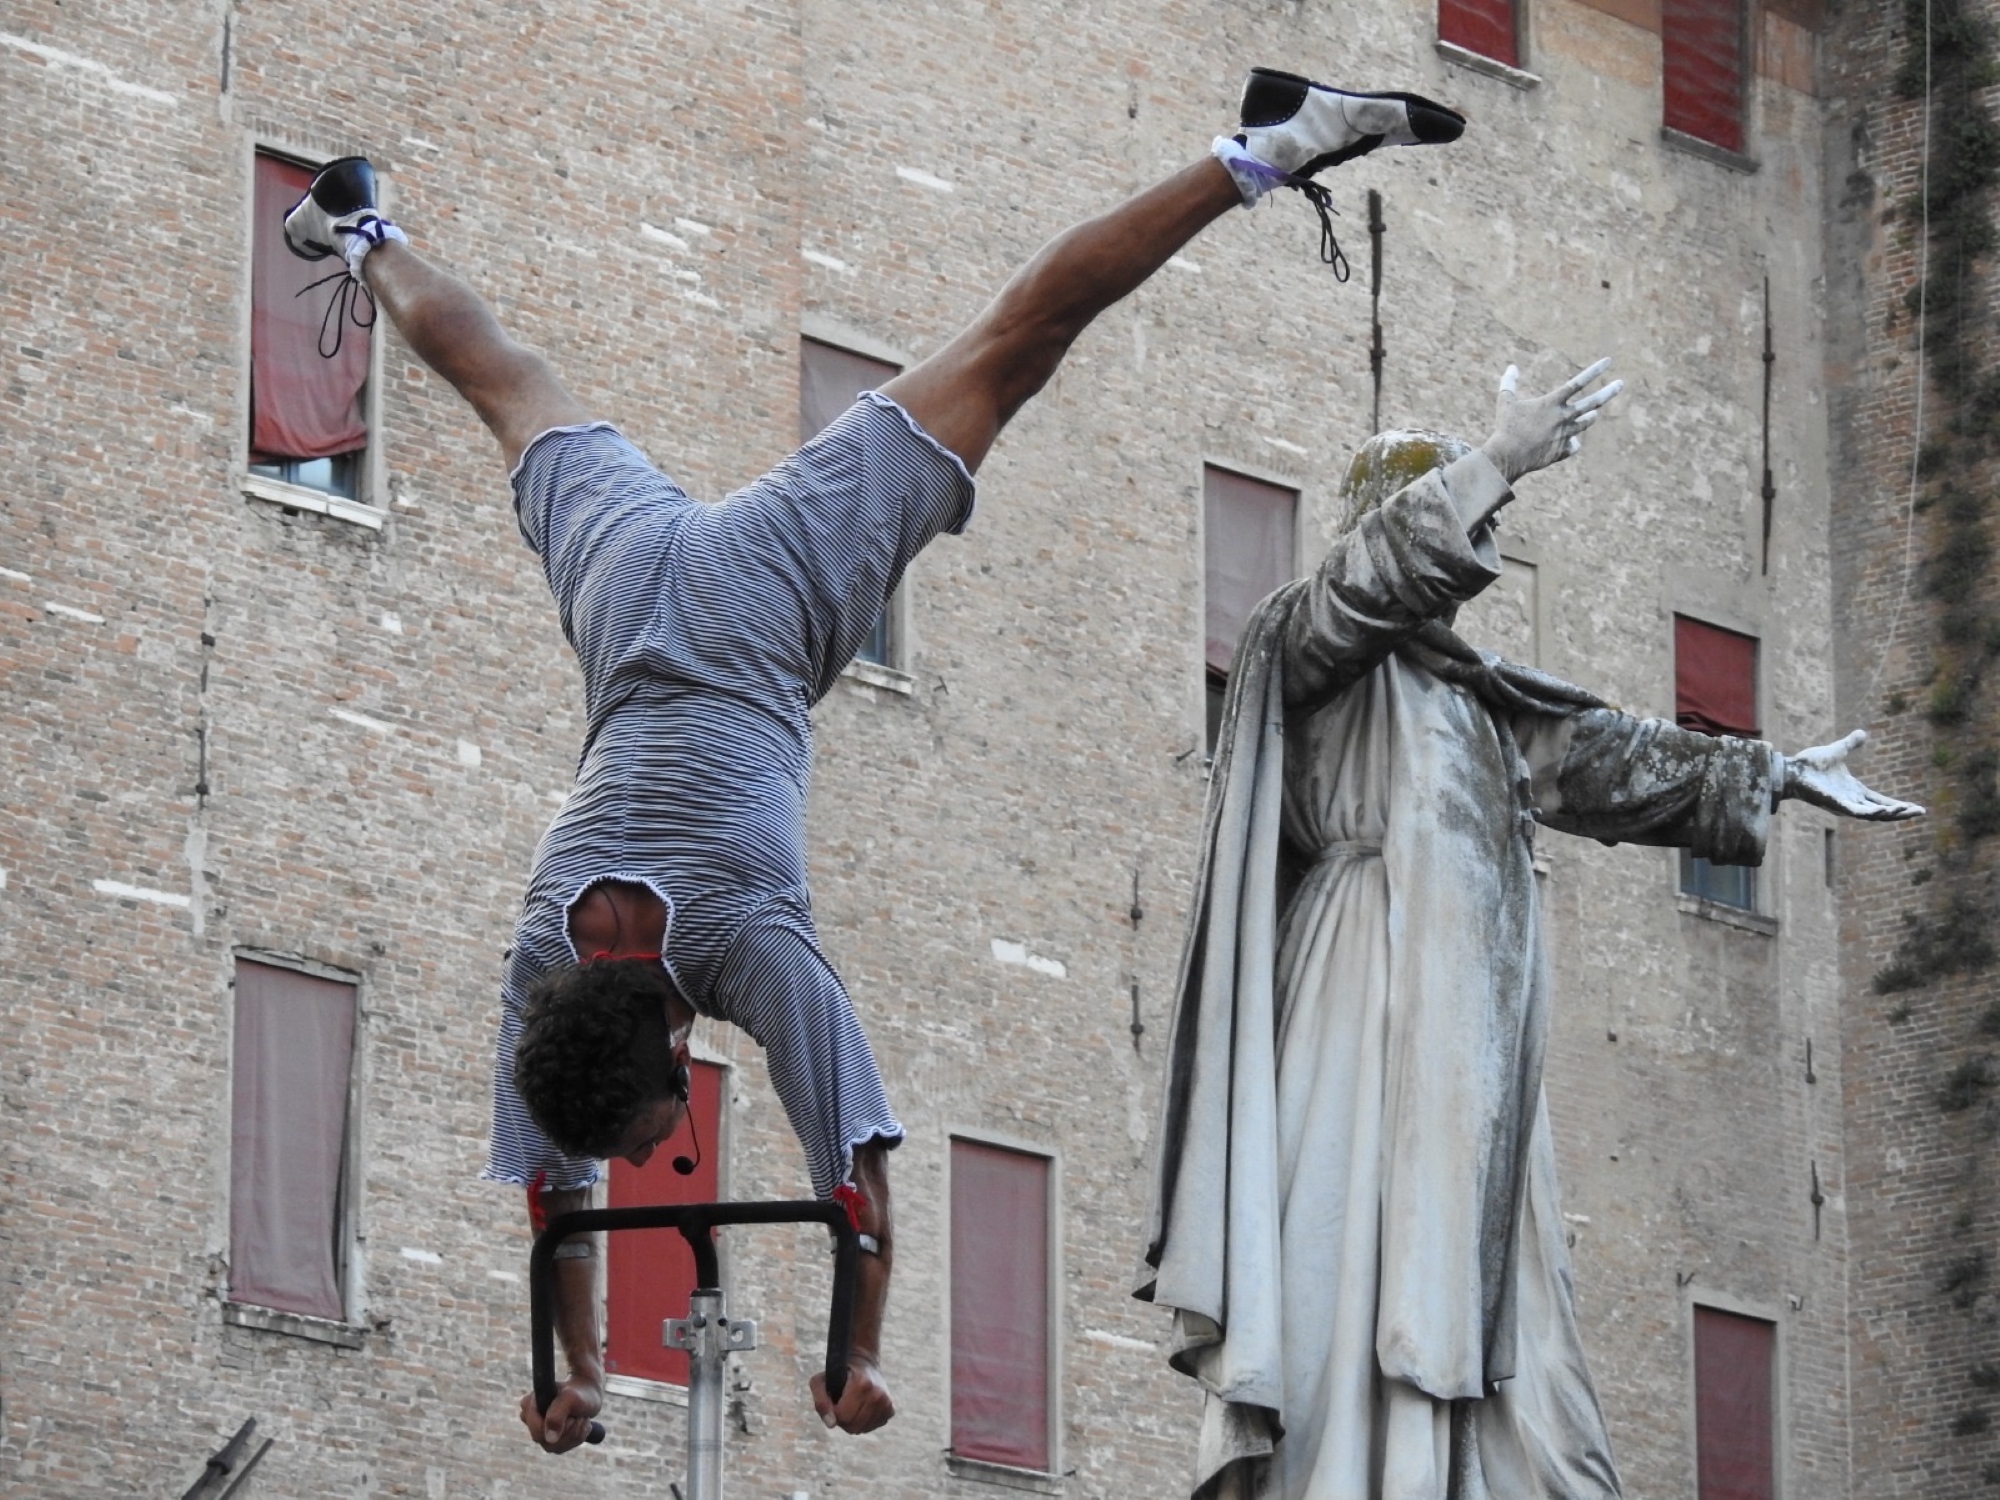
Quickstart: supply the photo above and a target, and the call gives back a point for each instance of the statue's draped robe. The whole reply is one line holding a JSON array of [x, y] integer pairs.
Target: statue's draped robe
[[1355, 1220]]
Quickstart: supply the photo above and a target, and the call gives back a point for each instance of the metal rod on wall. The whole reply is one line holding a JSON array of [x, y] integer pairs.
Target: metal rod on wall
[[1375, 350], [1770, 490]]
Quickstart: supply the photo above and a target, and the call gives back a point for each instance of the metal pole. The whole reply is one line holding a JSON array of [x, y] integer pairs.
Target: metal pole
[[705, 1397], [709, 1337]]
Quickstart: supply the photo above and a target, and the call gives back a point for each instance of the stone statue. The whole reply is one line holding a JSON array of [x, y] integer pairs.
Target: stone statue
[[1355, 1220]]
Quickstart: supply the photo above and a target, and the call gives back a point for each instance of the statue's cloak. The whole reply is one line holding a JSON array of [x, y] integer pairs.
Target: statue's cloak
[[1468, 990]]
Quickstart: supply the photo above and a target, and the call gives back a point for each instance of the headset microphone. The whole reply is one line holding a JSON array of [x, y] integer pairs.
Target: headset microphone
[[681, 1085]]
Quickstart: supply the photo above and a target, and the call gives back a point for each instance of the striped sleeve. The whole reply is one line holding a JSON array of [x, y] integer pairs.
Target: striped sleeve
[[780, 988]]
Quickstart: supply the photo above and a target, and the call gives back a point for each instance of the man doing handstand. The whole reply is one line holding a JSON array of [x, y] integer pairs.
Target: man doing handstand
[[673, 883]]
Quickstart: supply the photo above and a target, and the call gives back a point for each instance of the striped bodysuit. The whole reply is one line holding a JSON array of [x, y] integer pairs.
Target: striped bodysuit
[[705, 634]]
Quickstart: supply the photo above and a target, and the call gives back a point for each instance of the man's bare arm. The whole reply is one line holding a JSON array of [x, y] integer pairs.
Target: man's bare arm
[[580, 1397], [866, 1404]]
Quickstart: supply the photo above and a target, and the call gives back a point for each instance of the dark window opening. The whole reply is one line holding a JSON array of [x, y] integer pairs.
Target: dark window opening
[[1715, 692], [1735, 1396], [1000, 1291], [830, 378], [1702, 69], [308, 422], [1489, 27], [1249, 546], [290, 1158], [649, 1273]]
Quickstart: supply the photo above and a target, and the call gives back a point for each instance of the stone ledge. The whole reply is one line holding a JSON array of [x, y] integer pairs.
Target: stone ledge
[[1694, 145], [1728, 916], [874, 675], [298, 497], [1034, 1481], [1492, 67], [294, 1325], [635, 1389]]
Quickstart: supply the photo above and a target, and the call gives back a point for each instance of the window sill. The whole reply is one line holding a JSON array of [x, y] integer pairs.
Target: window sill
[[1492, 67], [872, 674], [1034, 1481], [1694, 145], [635, 1389], [294, 1325], [1728, 916], [298, 497]]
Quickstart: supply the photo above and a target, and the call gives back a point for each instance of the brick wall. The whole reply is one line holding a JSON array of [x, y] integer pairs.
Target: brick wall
[[662, 202], [1919, 1194]]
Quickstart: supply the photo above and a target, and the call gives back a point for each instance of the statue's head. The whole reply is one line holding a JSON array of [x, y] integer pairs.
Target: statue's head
[[1386, 463]]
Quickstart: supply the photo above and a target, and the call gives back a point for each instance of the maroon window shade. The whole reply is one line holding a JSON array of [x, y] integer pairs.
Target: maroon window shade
[[301, 406], [1701, 67], [999, 1305], [829, 380], [650, 1272], [294, 1051], [1734, 1366], [1483, 26], [1247, 550], [1715, 679]]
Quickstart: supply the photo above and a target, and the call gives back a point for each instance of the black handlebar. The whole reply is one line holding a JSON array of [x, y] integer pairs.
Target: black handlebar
[[696, 1223]]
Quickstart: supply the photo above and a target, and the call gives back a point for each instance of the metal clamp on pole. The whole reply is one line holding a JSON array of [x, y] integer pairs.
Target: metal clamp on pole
[[696, 1223]]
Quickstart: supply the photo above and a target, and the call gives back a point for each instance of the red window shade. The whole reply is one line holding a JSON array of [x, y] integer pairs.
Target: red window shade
[[830, 379], [999, 1305], [301, 406], [650, 1272], [1247, 550], [1715, 679], [1701, 65], [293, 1057], [1734, 1360], [1483, 26]]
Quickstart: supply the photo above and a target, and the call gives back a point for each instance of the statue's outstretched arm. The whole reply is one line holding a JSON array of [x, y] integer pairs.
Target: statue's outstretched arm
[[1820, 776], [1533, 432]]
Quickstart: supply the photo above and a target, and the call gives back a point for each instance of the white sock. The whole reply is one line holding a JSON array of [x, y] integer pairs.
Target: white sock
[[1253, 178], [368, 231]]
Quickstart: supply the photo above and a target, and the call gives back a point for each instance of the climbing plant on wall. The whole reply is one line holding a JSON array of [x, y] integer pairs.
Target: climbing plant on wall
[[1949, 64]]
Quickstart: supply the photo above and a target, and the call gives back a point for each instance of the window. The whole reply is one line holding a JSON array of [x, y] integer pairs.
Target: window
[[1249, 542], [1488, 27], [1701, 67], [650, 1272], [829, 380], [1000, 1305], [1715, 691], [308, 426], [291, 1158], [1735, 1390]]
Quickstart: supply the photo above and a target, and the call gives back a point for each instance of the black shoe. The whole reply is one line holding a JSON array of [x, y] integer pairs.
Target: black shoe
[[339, 205], [1302, 127], [337, 217]]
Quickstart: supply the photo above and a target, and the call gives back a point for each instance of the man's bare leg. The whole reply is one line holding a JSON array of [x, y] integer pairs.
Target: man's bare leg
[[515, 391], [962, 395], [966, 392]]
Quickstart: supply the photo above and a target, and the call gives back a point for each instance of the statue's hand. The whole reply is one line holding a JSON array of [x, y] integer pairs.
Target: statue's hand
[[1820, 776], [1532, 432]]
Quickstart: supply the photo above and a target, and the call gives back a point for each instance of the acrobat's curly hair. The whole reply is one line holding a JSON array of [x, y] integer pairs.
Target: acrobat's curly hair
[[595, 1050]]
